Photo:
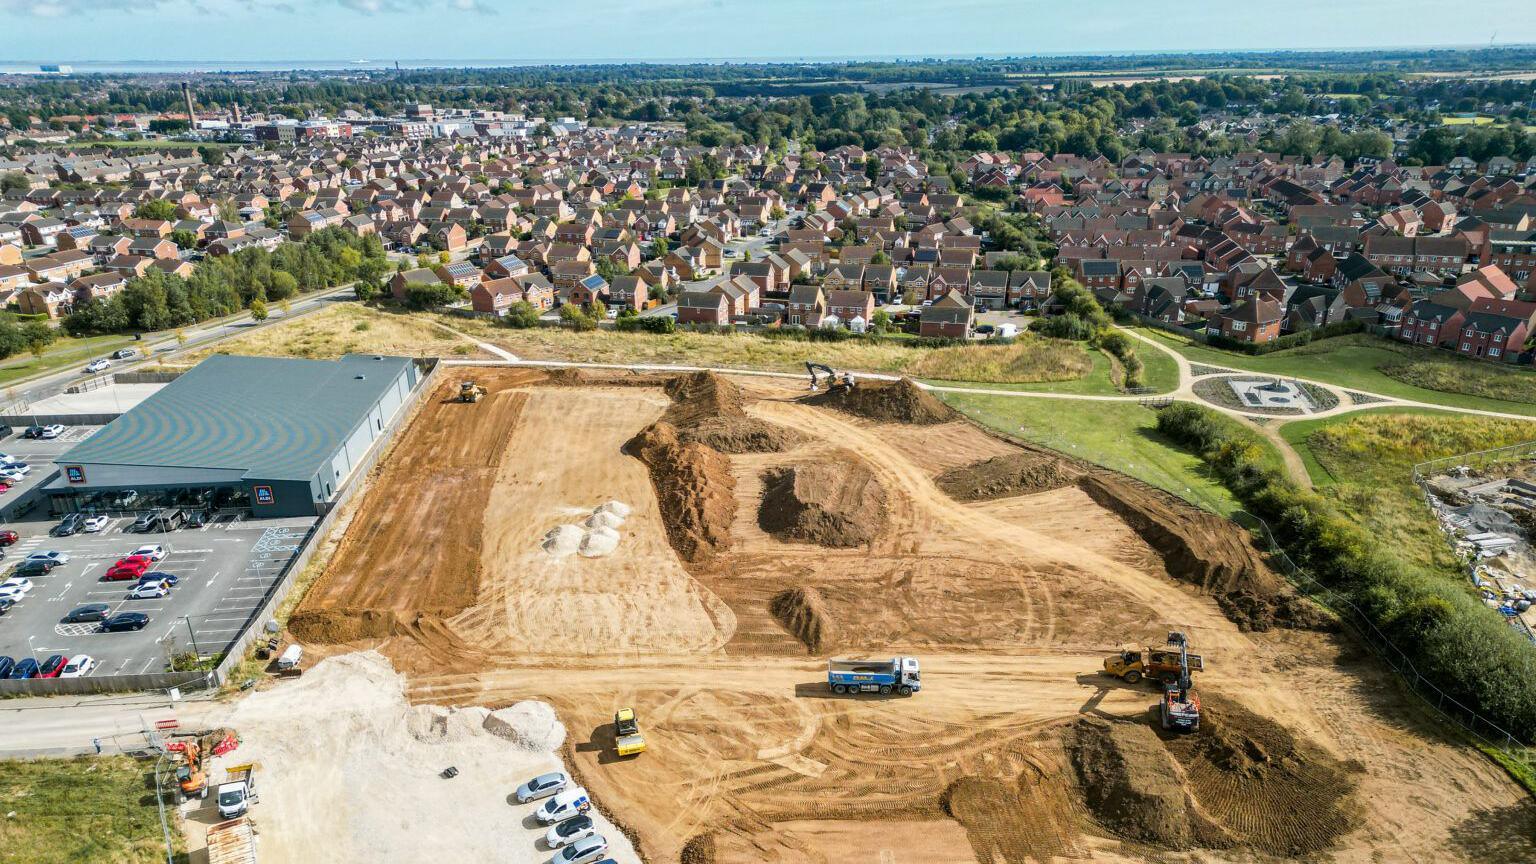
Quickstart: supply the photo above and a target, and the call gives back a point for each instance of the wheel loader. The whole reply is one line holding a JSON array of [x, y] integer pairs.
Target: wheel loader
[[469, 391]]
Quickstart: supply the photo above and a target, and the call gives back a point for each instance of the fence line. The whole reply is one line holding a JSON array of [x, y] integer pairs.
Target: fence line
[[1360, 624]]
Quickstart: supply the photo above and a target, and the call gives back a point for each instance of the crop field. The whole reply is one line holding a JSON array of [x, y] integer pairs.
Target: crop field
[[696, 547]]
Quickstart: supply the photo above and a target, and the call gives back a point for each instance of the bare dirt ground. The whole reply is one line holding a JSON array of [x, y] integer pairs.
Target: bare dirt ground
[[1011, 604]]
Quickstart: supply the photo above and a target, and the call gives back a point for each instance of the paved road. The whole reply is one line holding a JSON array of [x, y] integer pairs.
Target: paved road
[[67, 725]]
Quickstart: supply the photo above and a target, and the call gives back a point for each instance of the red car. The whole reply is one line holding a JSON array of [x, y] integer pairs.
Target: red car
[[53, 666], [131, 567], [8, 537]]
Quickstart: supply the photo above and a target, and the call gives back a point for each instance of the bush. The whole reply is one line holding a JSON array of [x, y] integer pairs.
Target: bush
[[521, 316], [1454, 641]]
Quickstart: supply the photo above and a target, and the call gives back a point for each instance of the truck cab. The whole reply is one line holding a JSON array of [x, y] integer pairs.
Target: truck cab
[[901, 675], [237, 791]]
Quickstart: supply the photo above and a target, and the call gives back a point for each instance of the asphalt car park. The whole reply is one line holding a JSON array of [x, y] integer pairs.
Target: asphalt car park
[[224, 571], [39, 455]]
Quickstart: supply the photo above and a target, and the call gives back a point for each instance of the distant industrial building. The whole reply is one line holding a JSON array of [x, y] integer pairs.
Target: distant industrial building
[[268, 436]]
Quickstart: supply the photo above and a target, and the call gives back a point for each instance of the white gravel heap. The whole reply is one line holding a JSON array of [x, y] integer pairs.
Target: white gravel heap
[[599, 542], [617, 508], [596, 536], [563, 540], [530, 725]]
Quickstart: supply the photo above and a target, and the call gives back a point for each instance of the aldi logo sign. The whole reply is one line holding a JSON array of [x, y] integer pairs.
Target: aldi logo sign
[[264, 495], [74, 473]]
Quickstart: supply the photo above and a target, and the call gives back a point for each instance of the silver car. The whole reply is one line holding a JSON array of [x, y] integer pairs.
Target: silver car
[[542, 786], [587, 850]]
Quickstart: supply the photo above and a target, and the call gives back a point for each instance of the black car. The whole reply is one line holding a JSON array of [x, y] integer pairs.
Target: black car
[[170, 579], [6, 604], [6, 430], [6, 665], [125, 621], [33, 432], [34, 567], [26, 668], [87, 613]]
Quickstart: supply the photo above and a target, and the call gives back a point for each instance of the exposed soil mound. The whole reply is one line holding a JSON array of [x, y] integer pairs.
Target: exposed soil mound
[[572, 377], [1209, 551], [335, 626], [694, 489], [803, 612], [1130, 782], [831, 503], [1027, 820], [700, 849], [708, 409], [1007, 476], [1265, 787], [892, 401]]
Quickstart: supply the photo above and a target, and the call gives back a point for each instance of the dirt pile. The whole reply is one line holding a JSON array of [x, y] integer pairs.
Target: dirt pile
[[1007, 476], [570, 377], [700, 849], [530, 725], [1262, 785], [891, 401], [335, 626], [834, 502], [803, 612], [694, 489], [1024, 821], [1209, 551], [709, 409], [1130, 782]]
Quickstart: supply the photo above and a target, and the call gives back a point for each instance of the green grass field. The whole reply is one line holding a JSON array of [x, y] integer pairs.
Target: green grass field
[[1122, 436], [81, 810], [65, 352], [1356, 362]]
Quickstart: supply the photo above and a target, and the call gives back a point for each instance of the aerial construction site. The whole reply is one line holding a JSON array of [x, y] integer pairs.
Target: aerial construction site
[[696, 548]]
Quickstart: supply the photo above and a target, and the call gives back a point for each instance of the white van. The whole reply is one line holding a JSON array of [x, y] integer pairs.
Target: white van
[[291, 657], [571, 802]]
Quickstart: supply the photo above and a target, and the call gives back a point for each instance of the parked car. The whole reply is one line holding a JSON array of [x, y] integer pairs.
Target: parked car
[[79, 666], [571, 802], [87, 613], [197, 518], [33, 568], [5, 605], [33, 432], [68, 526], [588, 850], [170, 579], [570, 831], [49, 555], [126, 568], [95, 366], [153, 551], [52, 430], [6, 430], [149, 591], [145, 521], [6, 665], [125, 621], [15, 588], [92, 524], [25, 668], [542, 786], [125, 354], [52, 666], [7, 538]]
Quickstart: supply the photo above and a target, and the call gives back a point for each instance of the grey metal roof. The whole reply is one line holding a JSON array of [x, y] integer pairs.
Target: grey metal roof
[[274, 418]]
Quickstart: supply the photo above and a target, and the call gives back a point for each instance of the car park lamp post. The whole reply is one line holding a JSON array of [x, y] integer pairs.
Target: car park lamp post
[[192, 634]]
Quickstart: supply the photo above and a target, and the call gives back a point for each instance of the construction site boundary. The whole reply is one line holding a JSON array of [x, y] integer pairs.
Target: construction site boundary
[[1482, 729]]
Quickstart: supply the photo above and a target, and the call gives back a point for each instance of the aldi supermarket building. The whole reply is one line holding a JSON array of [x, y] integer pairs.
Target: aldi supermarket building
[[270, 436]]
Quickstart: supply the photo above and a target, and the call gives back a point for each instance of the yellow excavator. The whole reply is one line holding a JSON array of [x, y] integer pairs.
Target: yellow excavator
[[469, 391]]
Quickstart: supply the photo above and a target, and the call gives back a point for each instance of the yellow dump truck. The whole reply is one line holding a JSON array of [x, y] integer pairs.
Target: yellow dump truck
[[1134, 664], [626, 732]]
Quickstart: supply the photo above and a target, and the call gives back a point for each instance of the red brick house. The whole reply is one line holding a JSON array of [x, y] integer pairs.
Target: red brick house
[[703, 307], [1491, 336], [951, 316], [1256, 320], [1430, 323]]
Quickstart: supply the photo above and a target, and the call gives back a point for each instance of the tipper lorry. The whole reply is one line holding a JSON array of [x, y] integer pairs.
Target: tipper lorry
[[898, 674], [237, 791]]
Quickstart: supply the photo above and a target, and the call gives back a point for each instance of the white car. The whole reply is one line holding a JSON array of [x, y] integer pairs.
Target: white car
[[150, 591], [153, 551], [15, 588], [92, 524], [52, 430], [95, 366], [566, 805], [20, 469], [55, 557], [584, 851], [78, 666]]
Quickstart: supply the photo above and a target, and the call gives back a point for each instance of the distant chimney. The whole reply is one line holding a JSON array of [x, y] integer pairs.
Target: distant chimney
[[237, 114], [186, 93]]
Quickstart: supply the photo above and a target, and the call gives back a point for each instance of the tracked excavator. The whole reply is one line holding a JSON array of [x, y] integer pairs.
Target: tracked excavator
[[833, 380], [1180, 708], [469, 391]]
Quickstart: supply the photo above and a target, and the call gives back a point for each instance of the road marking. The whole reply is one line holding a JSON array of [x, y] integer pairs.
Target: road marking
[[67, 586], [213, 578], [147, 664]]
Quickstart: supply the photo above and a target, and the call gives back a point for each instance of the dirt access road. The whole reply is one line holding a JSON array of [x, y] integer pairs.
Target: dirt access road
[[1011, 604]]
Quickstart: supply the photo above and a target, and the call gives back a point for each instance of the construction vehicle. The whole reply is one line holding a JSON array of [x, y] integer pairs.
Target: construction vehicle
[[1180, 706], [833, 380], [191, 773], [1163, 664], [899, 674], [237, 791], [626, 732], [469, 391]]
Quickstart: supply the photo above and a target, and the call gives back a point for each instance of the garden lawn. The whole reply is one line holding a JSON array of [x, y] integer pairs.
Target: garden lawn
[[1121, 436], [77, 810]]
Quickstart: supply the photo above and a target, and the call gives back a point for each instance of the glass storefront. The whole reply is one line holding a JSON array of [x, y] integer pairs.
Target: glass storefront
[[209, 499]]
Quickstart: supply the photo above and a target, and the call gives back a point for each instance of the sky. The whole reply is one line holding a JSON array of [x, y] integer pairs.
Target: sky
[[576, 30]]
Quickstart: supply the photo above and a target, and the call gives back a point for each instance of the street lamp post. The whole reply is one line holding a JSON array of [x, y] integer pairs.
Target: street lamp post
[[193, 635]]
